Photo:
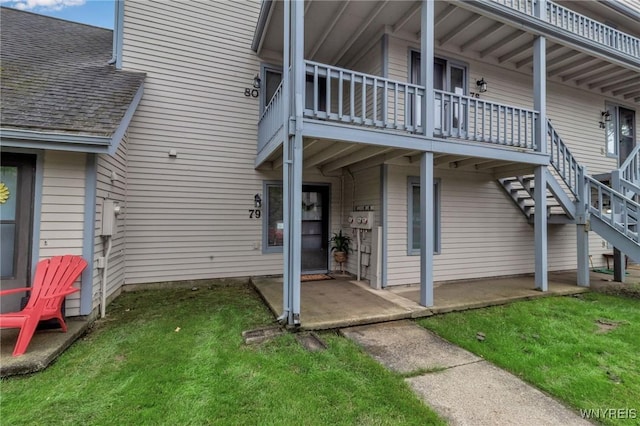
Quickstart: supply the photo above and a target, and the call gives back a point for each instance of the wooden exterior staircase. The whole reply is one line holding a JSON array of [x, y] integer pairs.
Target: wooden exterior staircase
[[572, 195]]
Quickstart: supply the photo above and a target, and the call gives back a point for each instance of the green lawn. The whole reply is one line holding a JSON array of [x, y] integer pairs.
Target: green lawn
[[559, 345], [136, 367]]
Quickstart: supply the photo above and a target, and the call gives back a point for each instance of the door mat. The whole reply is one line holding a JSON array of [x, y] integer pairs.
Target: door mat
[[606, 271], [314, 277]]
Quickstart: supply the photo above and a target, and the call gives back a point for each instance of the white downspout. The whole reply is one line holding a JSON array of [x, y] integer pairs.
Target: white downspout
[[105, 275]]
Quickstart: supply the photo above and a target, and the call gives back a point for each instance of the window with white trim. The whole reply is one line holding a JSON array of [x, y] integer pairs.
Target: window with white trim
[[413, 208]]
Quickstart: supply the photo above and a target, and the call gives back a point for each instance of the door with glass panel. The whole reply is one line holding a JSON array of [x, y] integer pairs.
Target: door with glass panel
[[621, 133], [315, 225], [449, 110], [16, 206]]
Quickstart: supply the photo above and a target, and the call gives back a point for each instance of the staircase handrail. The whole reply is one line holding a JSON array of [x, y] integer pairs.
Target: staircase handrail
[[630, 169], [564, 162], [620, 206]]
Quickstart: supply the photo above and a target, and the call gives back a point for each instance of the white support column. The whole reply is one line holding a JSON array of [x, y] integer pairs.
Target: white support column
[[427, 232], [297, 40], [427, 55], [540, 182], [616, 209], [286, 164], [582, 231]]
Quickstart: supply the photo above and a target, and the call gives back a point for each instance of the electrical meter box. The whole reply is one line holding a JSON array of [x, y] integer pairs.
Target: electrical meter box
[[361, 220]]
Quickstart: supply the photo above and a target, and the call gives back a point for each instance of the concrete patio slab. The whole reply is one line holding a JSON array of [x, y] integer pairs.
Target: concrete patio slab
[[332, 303], [45, 347]]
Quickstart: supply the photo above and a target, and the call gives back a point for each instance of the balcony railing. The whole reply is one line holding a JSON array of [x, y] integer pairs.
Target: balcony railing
[[469, 118], [272, 119], [352, 97], [363, 100], [580, 25]]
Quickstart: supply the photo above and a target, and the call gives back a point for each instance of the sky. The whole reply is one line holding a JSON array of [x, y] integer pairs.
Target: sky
[[99, 13]]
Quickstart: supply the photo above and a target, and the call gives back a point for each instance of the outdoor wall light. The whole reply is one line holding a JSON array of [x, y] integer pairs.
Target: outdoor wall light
[[605, 117], [256, 81], [257, 200], [482, 85]]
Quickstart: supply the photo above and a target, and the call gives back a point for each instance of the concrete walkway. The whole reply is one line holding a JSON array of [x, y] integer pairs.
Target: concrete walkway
[[463, 388]]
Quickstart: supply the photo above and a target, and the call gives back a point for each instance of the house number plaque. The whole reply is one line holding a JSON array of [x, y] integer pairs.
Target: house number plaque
[[255, 213]]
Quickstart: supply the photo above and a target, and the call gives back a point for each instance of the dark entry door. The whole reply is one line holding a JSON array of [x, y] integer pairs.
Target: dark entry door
[[315, 228], [16, 206]]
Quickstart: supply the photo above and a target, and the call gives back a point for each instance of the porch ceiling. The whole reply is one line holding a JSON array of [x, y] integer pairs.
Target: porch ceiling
[[330, 156], [340, 33]]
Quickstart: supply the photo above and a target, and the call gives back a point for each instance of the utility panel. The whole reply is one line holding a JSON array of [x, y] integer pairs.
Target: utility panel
[[361, 220]]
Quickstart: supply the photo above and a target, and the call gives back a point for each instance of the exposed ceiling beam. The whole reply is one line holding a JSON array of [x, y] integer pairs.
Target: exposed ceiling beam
[[529, 59], [471, 163], [360, 28], [592, 69], [631, 95], [444, 14], [459, 28], [378, 159], [501, 43], [515, 52], [627, 89], [446, 159], [620, 84], [406, 17], [610, 78], [572, 65], [337, 148], [595, 77], [354, 157], [328, 30], [307, 6], [562, 58], [377, 39], [484, 34]]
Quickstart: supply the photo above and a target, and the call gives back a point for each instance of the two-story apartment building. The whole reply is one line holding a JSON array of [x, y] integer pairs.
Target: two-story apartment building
[[264, 127]]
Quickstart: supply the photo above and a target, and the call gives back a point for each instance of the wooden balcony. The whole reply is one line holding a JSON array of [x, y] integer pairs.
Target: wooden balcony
[[364, 101]]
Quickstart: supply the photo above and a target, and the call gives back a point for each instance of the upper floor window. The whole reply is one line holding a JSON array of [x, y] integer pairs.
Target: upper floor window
[[271, 78], [620, 132]]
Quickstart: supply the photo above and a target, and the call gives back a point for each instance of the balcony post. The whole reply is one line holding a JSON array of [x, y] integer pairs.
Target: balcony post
[[427, 233], [427, 54], [286, 163], [293, 73], [582, 229], [540, 173], [616, 209]]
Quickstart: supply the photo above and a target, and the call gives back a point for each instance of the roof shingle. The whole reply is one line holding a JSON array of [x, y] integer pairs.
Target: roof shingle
[[54, 76]]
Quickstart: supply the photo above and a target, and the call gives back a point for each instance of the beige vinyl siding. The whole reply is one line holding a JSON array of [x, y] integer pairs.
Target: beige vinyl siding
[[116, 190], [187, 217], [62, 214], [362, 190], [482, 233]]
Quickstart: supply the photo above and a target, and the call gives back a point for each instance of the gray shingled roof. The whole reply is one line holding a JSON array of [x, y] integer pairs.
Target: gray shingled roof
[[55, 77]]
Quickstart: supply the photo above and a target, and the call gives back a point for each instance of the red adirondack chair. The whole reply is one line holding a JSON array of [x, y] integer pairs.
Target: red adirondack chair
[[52, 283]]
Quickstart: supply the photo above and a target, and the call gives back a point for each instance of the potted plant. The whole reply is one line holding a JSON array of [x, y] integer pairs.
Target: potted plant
[[340, 246]]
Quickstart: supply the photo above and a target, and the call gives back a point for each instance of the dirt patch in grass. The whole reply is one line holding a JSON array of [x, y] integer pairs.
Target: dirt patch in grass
[[605, 325], [629, 289]]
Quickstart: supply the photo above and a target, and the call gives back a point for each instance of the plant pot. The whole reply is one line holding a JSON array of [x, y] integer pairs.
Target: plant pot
[[339, 256]]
